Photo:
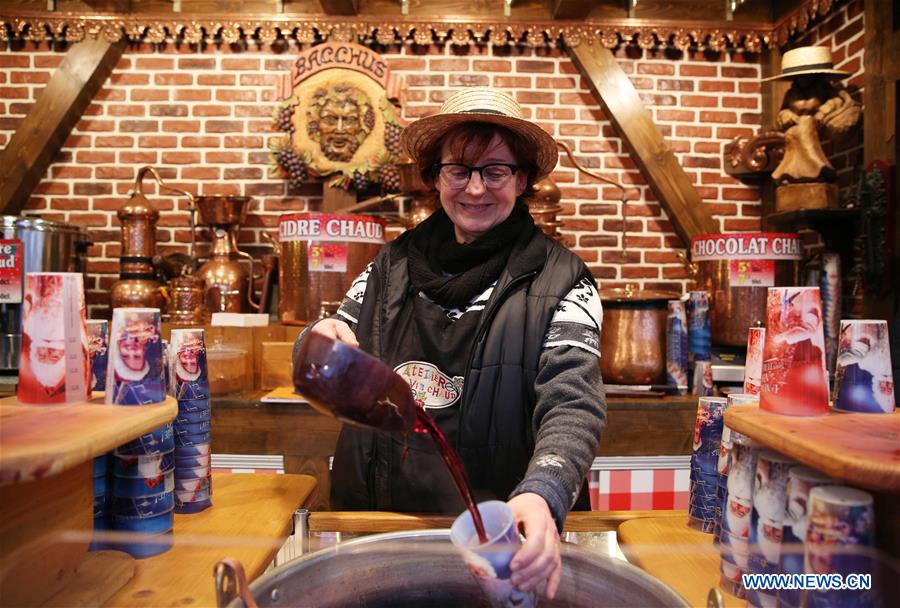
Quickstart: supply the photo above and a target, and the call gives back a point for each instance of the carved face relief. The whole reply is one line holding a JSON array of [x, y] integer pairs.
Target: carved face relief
[[339, 122]]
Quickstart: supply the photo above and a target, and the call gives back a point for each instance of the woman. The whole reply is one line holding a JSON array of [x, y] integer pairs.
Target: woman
[[495, 326]]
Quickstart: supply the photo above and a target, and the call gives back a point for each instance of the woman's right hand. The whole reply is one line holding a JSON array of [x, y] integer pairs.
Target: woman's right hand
[[336, 330]]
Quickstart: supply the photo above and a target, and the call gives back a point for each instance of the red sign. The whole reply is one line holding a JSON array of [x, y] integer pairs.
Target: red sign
[[10, 271], [327, 257], [751, 273]]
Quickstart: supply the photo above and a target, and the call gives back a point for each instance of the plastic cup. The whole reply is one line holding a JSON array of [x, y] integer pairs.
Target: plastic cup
[[134, 374], [864, 380], [489, 562]]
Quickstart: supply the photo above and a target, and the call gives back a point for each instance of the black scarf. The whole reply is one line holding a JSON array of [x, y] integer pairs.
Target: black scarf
[[434, 253]]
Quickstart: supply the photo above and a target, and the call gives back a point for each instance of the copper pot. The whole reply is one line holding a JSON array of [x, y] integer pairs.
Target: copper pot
[[737, 270], [633, 336]]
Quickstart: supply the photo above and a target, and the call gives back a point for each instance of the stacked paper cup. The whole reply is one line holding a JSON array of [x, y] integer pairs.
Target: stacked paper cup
[[101, 500], [734, 544], [839, 535], [794, 381], [864, 379], [143, 480], [677, 347], [767, 519], [704, 464], [699, 343], [724, 462], [793, 533], [189, 383]]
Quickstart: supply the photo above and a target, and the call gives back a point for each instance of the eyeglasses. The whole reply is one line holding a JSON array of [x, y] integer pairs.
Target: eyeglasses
[[493, 175]]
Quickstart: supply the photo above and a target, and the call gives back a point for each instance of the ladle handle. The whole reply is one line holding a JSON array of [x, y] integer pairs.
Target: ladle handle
[[232, 582]]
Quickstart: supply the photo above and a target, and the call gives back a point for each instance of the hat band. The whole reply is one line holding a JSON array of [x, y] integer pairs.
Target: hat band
[[810, 66], [477, 111]]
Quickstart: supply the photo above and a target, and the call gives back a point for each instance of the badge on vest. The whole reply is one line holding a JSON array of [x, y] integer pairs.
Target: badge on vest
[[431, 387]]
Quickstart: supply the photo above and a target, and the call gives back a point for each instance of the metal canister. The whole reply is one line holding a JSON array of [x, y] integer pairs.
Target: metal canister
[[320, 255], [736, 270]]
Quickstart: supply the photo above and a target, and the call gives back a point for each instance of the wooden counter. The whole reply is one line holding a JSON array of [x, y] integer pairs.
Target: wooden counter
[[46, 493], [679, 556], [250, 519], [243, 425]]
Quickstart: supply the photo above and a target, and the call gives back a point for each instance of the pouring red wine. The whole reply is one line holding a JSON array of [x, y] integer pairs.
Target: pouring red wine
[[349, 384]]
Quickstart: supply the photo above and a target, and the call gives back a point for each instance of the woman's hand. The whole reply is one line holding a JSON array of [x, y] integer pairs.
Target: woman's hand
[[538, 562], [336, 330]]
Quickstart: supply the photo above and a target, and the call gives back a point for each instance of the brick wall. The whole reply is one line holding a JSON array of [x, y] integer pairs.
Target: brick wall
[[204, 118]]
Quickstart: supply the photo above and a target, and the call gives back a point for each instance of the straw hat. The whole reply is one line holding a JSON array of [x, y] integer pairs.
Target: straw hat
[[807, 60], [481, 105]]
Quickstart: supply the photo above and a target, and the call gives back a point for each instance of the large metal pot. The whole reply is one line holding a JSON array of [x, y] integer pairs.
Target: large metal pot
[[633, 337], [413, 569], [47, 246], [737, 271], [320, 255]]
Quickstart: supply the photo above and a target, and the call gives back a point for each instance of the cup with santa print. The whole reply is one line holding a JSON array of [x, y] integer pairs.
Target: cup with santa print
[[135, 374], [188, 371], [839, 534], [794, 380], [756, 337], [769, 505], [98, 346], [864, 380], [793, 532], [54, 366]]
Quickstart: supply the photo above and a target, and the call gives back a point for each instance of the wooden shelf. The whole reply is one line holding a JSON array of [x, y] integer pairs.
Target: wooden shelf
[[861, 449], [41, 441], [249, 521], [679, 556]]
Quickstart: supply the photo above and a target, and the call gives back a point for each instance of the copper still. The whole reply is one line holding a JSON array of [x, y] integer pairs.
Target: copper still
[[138, 285], [228, 282], [633, 340]]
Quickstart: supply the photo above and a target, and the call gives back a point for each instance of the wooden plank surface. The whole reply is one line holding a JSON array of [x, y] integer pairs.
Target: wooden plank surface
[[45, 529], [679, 556], [39, 441], [658, 164], [100, 575], [250, 518], [275, 366], [41, 134], [862, 449]]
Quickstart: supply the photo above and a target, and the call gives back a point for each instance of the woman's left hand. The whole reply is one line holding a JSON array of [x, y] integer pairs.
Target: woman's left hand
[[538, 562]]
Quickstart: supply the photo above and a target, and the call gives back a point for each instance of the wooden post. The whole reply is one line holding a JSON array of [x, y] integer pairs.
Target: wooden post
[[334, 199], [62, 102], [656, 161]]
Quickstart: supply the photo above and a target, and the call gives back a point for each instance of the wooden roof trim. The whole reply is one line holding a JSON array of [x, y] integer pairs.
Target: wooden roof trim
[[308, 29]]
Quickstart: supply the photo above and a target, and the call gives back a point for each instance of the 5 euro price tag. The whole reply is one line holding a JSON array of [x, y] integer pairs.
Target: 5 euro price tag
[[327, 257]]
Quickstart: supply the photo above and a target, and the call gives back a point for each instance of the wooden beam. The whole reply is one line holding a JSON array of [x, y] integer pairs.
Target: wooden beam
[[571, 9], [772, 98], [340, 7], [655, 159], [879, 92], [41, 134]]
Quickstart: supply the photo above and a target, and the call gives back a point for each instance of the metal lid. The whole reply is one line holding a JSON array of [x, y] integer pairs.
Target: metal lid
[[630, 294], [36, 223]]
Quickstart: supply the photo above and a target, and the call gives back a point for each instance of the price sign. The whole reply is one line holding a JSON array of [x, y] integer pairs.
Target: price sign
[[327, 257], [751, 273], [10, 271]]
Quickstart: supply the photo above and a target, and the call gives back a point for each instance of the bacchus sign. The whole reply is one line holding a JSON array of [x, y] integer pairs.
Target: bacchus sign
[[337, 119]]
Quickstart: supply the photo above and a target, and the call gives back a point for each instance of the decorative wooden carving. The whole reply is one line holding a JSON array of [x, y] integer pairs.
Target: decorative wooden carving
[[655, 159], [26, 157], [761, 153], [364, 29]]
